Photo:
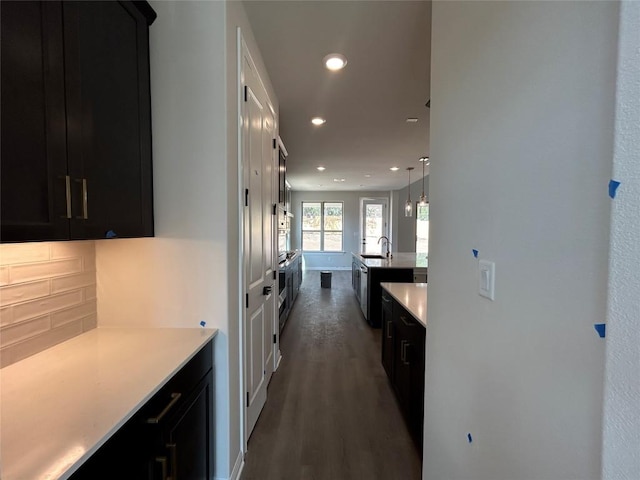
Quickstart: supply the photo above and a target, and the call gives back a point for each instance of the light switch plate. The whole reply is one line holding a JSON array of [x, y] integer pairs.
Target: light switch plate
[[486, 279]]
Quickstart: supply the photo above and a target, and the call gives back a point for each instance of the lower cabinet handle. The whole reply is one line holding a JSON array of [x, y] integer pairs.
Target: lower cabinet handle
[[163, 465], [389, 325], [404, 320], [404, 351], [174, 398], [174, 459]]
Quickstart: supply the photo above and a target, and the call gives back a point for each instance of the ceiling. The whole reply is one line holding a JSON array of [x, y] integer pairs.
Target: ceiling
[[366, 104]]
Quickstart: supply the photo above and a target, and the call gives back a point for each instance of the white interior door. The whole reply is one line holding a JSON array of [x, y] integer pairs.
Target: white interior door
[[257, 134], [374, 224]]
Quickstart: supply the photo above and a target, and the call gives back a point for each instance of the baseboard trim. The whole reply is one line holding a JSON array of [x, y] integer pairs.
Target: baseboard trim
[[237, 468]]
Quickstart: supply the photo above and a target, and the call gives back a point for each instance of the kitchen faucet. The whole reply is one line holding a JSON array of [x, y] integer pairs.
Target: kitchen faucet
[[388, 255]]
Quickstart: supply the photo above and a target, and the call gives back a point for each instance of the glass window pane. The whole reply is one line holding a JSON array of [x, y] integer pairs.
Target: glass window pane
[[422, 229], [311, 241], [311, 216], [333, 216], [333, 241]]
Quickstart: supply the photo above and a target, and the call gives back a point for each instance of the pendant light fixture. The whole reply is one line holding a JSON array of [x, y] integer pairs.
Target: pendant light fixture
[[423, 197], [408, 207]]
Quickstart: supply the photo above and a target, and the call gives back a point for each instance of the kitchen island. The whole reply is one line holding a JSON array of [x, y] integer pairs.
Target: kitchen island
[[367, 274], [61, 405]]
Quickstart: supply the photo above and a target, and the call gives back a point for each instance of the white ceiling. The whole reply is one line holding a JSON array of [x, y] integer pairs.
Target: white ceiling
[[386, 80]]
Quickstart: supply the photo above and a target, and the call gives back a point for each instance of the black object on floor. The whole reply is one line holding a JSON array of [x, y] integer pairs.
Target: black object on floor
[[325, 279]]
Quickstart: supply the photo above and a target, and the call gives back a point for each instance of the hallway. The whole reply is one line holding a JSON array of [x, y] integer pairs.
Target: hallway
[[331, 413]]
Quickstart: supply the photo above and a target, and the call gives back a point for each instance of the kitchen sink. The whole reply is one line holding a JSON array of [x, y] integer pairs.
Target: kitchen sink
[[371, 255]]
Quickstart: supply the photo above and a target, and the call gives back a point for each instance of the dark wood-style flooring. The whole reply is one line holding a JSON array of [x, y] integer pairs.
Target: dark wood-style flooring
[[331, 413]]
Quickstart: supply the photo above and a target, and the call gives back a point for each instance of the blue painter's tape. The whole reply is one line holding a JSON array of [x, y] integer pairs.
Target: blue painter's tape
[[111, 234], [613, 186], [600, 328], [475, 253], [469, 437], [203, 323]]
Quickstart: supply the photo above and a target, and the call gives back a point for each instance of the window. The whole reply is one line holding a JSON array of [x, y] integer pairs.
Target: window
[[422, 229], [322, 226]]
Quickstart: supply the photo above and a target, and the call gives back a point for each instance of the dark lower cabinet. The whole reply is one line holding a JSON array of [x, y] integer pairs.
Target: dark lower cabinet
[[75, 120], [403, 358], [171, 436]]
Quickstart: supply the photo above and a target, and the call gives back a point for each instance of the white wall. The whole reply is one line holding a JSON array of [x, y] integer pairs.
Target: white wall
[[190, 272], [521, 142], [621, 422], [351, 227]]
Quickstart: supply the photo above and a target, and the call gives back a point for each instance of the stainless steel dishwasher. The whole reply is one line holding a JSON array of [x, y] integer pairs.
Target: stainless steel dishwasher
[[364, 276]]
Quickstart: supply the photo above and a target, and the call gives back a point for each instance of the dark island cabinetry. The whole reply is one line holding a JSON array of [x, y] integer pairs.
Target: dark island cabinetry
[[75, 120]]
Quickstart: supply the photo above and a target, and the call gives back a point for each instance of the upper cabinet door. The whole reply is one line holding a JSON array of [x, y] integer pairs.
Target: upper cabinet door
[[108, 119], [75, 120], [33, 203]]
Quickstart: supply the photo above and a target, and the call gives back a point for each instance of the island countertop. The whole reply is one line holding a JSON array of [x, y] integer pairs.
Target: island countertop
[[412, 296], [398, 260], [60, 405]]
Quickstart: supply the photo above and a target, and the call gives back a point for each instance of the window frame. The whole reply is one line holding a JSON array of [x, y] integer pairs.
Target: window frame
[[322, 230]]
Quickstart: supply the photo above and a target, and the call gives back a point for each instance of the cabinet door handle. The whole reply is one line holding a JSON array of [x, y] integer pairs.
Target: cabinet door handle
[[389, 326], [174, 460], [404, 353], [67, 187], [267, 290], [174, 398], [385, 299], [163, 465], [402, 350]]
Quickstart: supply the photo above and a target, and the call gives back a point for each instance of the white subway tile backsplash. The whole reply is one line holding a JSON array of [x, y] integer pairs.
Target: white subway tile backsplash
[[6, 316], [70, 282], [81, 248], [22, 292], [90, 322], [34, 308], [90, 292], [21, 331], [54, 268], [13, 253], [38, 343], [47, 295], [71, 314]]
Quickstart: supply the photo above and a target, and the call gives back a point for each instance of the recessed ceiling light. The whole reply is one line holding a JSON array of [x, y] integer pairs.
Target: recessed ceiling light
[[335, 61], [318, 120], [368, 175], [394, 169], [321, 169], [412, 120], [338, 179]]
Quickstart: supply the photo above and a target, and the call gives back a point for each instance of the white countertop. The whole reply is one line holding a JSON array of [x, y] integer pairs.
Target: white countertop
[[412, 296], [60, 405], [399, 260]]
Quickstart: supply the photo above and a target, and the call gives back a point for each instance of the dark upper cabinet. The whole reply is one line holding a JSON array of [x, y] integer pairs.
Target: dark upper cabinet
[[33, 150], [76, 120]]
